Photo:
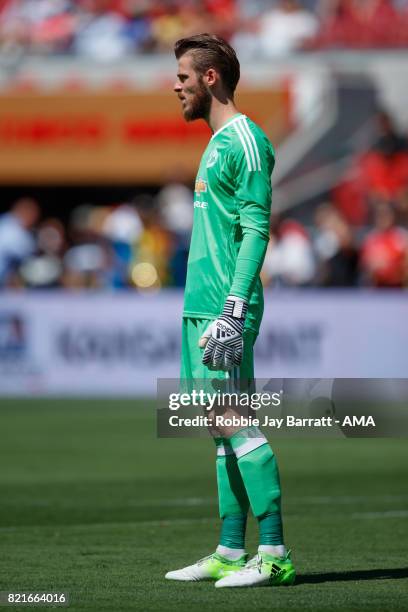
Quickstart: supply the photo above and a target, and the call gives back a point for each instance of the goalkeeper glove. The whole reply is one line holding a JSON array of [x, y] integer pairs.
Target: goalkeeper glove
[[222, 339]]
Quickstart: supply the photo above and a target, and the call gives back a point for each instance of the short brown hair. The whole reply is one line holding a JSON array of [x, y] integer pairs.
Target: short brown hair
[[210, 51]]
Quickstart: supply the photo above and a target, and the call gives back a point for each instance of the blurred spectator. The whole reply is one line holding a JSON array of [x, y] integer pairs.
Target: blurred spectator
[[280, 29], [361, 24], [123, 224], [289, 258], [285, 28], [123, 227], [385, 168], [102, 33], [86, 266], [38, 25], [390, 141], [380, 174], [168, 27], [51, 238], [335, 248], [351, 197], [16, 239], [222, 17], [174, 201], [41, 272], [139, 24], [176, 211], [44, 268], [88, 260], [384, 252], [154, 248]]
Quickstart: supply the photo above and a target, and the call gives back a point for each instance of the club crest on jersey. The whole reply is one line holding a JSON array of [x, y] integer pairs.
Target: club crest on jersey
[[200, 186], [212, 158]]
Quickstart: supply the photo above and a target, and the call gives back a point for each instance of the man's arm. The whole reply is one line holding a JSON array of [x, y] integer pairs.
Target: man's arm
[[253, 195], [249, 263], [223, 338]]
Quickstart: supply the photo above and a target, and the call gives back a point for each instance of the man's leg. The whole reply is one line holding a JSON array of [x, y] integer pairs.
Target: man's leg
[[232, 493], [254, 461], [232, 497], [258, 467], [232, 501], [259, 470]]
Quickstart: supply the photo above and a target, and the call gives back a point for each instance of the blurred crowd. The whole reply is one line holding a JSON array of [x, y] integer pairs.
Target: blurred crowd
[[359, 236], [141, 244], [108, 30]]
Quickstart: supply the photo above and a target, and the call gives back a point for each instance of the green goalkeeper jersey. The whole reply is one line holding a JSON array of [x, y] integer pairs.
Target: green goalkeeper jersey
[[232, 197]]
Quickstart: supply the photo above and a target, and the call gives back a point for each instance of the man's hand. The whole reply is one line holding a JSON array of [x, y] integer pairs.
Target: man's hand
[[222, 339]]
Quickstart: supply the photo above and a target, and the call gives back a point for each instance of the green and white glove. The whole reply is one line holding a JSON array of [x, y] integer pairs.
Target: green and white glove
[[223, 338]]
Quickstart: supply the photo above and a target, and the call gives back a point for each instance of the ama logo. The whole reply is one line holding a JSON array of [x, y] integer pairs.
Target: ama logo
[[13, 341]]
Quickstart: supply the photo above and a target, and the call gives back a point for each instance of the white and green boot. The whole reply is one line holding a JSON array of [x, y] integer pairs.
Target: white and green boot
[[262, 570], [213, 567]]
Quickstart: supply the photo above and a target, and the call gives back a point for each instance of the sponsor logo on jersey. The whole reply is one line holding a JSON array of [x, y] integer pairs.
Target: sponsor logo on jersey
[[212, 158], [198, 204], [200, 186]]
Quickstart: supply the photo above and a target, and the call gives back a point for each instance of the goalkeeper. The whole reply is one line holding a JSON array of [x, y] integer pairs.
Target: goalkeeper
[[224, 304]]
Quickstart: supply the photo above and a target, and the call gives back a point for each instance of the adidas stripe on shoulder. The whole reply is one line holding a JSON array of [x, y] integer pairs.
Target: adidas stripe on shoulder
[[249, 144]]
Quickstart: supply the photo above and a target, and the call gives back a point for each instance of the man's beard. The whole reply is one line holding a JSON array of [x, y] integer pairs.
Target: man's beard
[[200, 105]]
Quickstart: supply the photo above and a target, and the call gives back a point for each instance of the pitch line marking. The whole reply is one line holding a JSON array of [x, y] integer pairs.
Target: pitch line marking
[[190, 521], [324, 499], [377, 515]]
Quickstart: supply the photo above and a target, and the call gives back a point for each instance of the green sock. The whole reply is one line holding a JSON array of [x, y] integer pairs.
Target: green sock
[[233, 531], [270, 529], [232, 496], [259, 470]]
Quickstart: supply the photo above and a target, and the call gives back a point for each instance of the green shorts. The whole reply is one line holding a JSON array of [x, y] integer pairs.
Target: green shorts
[[192, 367]]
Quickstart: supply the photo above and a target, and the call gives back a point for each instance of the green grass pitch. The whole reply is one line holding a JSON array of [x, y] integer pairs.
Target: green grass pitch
[[91, 502]]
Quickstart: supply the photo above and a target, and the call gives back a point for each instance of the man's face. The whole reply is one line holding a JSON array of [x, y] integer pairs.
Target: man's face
[[191, 90]]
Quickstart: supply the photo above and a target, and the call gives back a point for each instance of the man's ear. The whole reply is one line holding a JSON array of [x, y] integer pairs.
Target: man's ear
[[211, 77]]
